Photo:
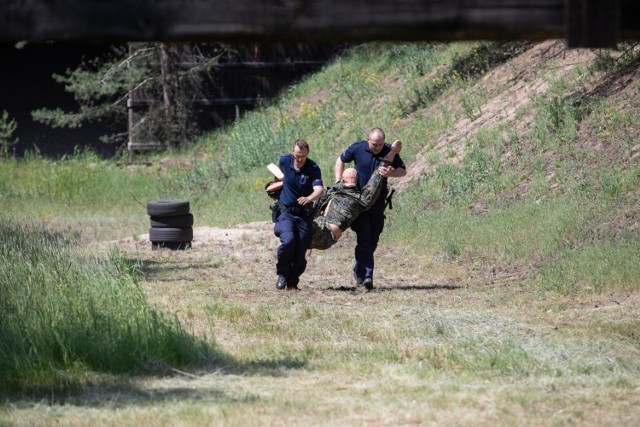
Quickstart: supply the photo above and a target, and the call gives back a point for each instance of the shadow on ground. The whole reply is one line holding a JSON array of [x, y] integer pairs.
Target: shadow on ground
[[124, 390], [395, 288]]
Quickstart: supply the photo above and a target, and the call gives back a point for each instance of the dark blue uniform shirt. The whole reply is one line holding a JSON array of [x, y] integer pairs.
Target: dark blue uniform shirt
[[366, 162], [298, 182]]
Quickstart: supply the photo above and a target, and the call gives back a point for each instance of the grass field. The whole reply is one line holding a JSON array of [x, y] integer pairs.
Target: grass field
[[507, 278], [435, 343]]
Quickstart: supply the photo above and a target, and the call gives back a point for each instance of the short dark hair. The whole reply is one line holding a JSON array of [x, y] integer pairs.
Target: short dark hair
[[301, 144]]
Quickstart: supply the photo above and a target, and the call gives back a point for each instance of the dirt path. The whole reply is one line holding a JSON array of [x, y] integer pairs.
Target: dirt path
[[239, 263]]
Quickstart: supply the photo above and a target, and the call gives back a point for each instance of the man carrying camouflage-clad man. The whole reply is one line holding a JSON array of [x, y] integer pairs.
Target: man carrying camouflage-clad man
[[343, 202]]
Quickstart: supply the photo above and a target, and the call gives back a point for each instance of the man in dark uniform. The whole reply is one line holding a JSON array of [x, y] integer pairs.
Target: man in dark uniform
[[302, 185], [369, 224], [343, 202]]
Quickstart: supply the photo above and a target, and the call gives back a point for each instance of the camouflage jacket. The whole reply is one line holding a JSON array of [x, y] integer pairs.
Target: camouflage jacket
[[348, 202]]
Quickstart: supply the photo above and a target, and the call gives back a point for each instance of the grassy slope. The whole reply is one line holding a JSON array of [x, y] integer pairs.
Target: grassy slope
[[523, 176], [517, 153]]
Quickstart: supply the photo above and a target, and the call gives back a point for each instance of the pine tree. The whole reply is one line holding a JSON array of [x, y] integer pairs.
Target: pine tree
[[150, 86], [7, 127]]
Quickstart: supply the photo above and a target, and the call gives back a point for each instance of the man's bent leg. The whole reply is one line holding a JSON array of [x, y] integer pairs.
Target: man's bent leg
[[371, 191], [323, 236], [396, 147]]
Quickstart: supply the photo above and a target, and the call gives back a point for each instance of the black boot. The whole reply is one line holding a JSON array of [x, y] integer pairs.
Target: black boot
[[293, 283], [281, 283]]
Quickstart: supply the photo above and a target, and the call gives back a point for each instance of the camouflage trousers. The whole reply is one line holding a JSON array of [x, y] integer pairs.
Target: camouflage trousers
[[322, 235]]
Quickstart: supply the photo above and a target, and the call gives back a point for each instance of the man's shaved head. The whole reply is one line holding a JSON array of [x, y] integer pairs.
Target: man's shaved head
[[350, 177]]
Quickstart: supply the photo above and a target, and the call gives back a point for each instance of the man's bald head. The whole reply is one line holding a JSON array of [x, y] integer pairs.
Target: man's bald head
[[377, 133], [350, 177], [376, 140]]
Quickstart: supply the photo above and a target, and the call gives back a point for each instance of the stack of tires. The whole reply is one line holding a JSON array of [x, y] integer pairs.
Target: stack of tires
[[171, 224]]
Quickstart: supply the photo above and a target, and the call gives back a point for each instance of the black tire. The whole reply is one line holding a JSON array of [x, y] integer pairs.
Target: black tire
[[167, 207], [170, 245], [171, 234], [177, 221]]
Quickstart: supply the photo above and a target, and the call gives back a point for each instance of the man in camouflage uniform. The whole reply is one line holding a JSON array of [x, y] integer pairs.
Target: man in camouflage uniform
[[343, 202]]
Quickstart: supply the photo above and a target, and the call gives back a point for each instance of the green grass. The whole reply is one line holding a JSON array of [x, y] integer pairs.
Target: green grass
[[562, 236], [65, 314], [509, 267], [381, 84], [595, 267]]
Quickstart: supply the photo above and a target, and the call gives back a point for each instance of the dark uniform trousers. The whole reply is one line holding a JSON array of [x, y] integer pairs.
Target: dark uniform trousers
[[368, 227], [295, 231]]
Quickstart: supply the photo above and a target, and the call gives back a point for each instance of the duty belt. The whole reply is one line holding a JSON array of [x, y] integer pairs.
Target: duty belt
[[295, 210]]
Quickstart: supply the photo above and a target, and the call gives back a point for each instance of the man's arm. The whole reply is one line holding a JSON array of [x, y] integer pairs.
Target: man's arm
[[274, 186], [315, 195], [338, 169], [389, 172]]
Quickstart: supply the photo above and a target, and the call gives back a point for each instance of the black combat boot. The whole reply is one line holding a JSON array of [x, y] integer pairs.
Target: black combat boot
[[281, 283]]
